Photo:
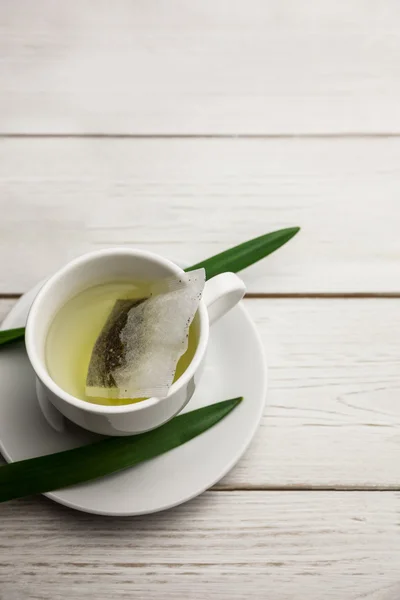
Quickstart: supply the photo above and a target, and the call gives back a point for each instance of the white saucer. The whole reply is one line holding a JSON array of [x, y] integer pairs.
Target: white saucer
[[235, 366]]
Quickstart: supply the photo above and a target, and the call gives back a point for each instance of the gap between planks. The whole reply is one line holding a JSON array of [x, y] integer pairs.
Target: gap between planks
[[303, 488], [206, 136], [282, 296]]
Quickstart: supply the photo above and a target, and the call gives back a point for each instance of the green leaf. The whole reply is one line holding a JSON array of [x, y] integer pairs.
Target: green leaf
[[242, 256], [11, 335], [235, 259], [54, 471]]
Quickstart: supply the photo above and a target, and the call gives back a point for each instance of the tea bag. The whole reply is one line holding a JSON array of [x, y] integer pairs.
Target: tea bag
[[136, 353]]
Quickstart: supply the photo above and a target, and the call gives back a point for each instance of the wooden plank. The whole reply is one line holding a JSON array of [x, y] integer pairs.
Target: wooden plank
[[208, 66], [332, 418], [188, 199], [237, 545]]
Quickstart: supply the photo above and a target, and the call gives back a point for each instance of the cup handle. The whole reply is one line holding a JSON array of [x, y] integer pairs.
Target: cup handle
[[221, 293]]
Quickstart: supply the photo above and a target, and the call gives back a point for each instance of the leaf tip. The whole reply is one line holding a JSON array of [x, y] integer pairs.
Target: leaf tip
[[236, 401], [291, 231]]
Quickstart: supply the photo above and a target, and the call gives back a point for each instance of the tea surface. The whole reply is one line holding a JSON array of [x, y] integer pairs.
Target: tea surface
[[75, 329]]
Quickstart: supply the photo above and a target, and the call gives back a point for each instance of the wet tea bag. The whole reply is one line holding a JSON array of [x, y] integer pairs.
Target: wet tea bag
[[136, 353]]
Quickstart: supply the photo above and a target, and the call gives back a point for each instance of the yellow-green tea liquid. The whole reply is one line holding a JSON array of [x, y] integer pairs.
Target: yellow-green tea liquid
[[75, 329]]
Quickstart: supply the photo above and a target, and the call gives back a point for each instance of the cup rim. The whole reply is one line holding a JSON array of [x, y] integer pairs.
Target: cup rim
[[41, 370]]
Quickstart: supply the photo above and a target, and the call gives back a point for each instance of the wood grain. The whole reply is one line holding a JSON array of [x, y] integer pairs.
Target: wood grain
[[208, 66], [239, 545], [189, 199], [332, 419], [309, 93]]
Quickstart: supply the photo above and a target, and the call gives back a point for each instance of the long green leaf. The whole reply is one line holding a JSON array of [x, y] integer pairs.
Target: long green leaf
[[235, 259], [54, 471], [242, 256], [11, 335]]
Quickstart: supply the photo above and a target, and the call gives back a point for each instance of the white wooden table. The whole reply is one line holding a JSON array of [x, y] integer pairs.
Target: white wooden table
[[187, 127]]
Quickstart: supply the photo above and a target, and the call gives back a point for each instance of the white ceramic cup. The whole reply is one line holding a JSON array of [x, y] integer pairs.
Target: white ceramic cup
[[221, 293]]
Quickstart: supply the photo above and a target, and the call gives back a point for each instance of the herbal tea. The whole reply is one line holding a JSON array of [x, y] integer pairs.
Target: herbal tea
[[77, 328]]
